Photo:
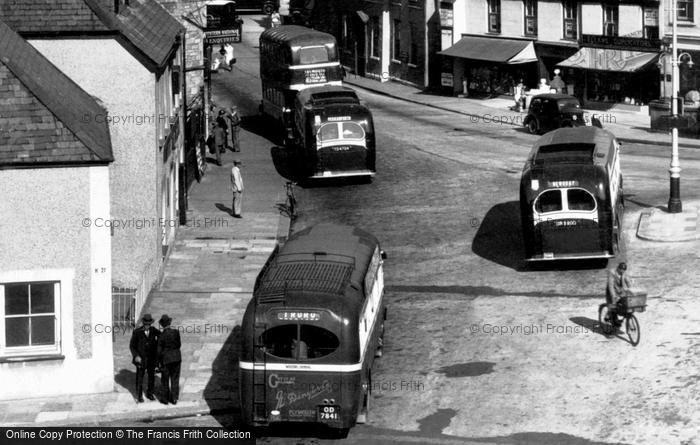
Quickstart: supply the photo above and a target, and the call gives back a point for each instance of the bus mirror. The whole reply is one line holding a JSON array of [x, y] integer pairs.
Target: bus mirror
[[383, 254]]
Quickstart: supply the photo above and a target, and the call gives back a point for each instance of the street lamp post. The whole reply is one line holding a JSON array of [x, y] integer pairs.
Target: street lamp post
[[674, 201]]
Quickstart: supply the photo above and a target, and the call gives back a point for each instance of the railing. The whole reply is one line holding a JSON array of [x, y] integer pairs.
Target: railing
[[127, 302]]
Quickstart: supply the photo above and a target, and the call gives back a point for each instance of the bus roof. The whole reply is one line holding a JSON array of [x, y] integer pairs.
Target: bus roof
[[580, 145], [296, 35], [325, 258], [327, 94]]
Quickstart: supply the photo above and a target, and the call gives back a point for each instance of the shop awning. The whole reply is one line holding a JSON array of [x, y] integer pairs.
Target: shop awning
[[493, 50], [602, 59]]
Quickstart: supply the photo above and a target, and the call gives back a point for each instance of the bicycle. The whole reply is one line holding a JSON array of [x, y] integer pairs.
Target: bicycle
[[289, 206], [610, 316]]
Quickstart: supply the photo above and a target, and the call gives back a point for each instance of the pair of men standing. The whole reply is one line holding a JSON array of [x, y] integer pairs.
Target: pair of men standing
[[151, 348], [225, 132]]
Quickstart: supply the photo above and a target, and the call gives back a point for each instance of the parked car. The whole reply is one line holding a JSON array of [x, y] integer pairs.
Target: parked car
[[551, 111]]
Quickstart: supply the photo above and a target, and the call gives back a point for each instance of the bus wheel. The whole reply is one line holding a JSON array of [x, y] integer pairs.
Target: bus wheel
[[363, 414]]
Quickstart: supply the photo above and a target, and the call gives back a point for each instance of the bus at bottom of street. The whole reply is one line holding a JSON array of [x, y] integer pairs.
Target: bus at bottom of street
[[312, 330], [571, 199], [334, 133]]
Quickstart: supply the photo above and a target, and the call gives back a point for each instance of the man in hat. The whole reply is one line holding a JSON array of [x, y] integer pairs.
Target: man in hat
[[144, 350], [170, 359], [237, 188], [618, 286], [234, 128]]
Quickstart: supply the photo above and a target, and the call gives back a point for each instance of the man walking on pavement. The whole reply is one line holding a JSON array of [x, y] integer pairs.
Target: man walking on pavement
[[234, 127], [144, 350], [236, 188], [170, 359], [219, 141]]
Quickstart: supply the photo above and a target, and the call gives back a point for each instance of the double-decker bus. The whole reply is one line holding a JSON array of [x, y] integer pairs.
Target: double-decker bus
[[333, 133], [292, 58], [312, 330], [571, 199]]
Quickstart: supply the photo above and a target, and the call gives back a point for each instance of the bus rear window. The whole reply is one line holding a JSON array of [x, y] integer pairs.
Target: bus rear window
[[299, 342], [328, 132], [313, 54], [549, 201], [580, 199], [351, 130]]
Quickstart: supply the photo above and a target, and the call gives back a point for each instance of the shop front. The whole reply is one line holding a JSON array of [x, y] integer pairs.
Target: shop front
[[619, 75], [489, 67]]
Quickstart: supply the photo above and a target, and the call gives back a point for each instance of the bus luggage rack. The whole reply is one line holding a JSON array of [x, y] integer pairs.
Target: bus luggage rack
[[329, 277]]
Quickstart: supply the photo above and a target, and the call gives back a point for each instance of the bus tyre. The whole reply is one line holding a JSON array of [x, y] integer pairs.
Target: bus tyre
[[532, 126]]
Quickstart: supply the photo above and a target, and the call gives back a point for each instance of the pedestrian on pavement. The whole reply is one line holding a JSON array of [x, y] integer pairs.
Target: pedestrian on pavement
[[144, 352], [170, 359], [618, 284], [219, 141], [236, 188], [235, 127], [222, 119], [519, 95], [275, 19]]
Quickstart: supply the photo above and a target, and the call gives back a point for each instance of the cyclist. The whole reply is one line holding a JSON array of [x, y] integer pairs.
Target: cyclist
[[618, 286]]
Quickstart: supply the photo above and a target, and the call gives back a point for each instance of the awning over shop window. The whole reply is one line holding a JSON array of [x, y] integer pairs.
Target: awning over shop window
[[602, 59], [493, 50]]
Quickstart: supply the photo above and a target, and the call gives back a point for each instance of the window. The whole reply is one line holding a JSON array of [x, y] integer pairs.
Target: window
[[313, 54], [610, 20], [413, 48], [299, 342], [346, 130], [375, 38], [530, 17], [396, 40], [328, 132], [494, 24], [580, 199], [549, 201], [346, 37], [684, 10], [570, 20], [29, 318], [351, 130]]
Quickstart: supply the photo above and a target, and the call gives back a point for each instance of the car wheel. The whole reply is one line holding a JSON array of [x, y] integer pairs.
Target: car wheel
[[532, 126]]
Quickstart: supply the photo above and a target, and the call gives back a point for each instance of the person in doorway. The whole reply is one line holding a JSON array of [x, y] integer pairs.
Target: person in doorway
[[557, 83], [170, 360], [237, 189], [144, 350]]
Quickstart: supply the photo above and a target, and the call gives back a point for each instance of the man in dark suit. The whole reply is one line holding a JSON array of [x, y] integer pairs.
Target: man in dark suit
[[144, 350], [169, 358]]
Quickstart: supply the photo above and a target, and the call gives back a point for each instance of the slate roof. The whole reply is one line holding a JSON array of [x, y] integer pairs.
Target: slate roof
[[144, 25], [45, 117]]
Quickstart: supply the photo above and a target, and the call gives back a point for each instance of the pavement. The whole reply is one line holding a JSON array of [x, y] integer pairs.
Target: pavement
[[207, 304]]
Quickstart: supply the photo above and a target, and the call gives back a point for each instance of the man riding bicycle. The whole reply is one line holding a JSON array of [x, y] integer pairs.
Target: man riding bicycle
[[618, 286]]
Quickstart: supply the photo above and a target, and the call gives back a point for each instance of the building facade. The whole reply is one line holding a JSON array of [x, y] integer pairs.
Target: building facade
[[55, 262], [688, 32], [126, 54]]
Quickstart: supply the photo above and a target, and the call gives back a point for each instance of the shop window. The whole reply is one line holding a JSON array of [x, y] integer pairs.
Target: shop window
[[299, 342], [396, 40], [580, 199], [494, 24], [30, 319], [375, 38], [549, 201], [684, 10], [413, 47], [570, 20], [530, 17], [610, 20]]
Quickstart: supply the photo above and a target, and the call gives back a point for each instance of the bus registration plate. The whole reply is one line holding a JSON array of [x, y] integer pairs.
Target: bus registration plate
[[317, 75], [328, 413]]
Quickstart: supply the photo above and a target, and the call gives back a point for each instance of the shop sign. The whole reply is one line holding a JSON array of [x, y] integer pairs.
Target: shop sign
[[651, 17], [446, 79], [446, 17], [623, 43], [223, 36]]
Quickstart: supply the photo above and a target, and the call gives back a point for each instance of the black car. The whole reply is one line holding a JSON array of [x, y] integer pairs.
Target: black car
[[551, 111]]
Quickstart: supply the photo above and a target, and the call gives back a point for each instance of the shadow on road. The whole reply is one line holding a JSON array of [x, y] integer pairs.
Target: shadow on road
[[588, 323], [127, 380], [221, 391], [499, 238], [262, 126]]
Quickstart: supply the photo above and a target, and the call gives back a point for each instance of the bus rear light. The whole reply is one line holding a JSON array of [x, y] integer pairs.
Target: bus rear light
[[535, 184]]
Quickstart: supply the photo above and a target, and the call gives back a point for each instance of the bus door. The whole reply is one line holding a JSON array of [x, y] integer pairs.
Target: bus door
[[304, 380], [566, 223]]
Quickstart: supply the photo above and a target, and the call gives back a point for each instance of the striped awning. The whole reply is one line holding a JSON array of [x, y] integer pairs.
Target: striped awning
[[493, 49], [603, 59]]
